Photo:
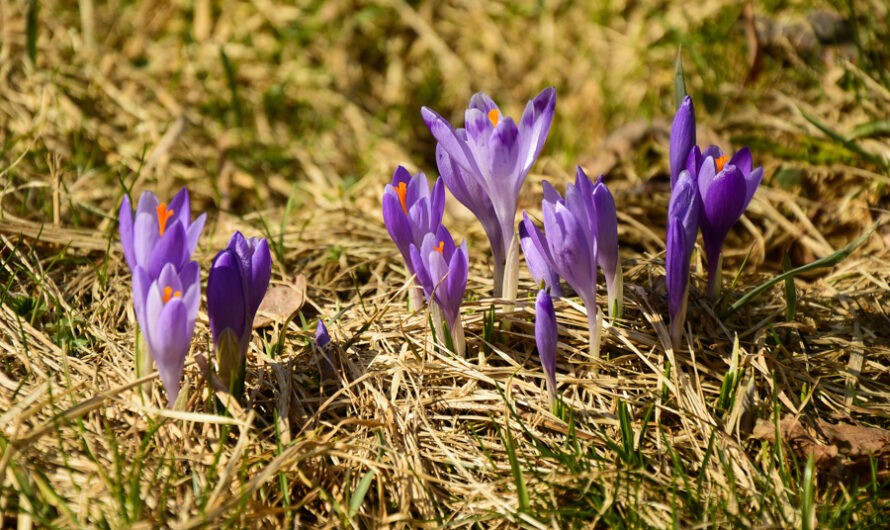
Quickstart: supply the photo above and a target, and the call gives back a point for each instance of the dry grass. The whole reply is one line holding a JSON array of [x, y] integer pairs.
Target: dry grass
[[287, 121]]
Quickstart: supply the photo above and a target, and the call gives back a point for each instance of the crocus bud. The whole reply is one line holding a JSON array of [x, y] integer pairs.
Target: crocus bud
[[239, 277], [607, 244], [546, 338], [682, 137], [683, 218], [322, 337]]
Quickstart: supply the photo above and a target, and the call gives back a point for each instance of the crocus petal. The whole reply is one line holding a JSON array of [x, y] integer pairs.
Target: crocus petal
[[194, 233], [742, 160], [571, 253], [172, 338], [534, 125], [420, 270], [445, 134], [546, 335], [145, 237], [537, 255], [482, 102], [397, 223], [170, 249], [148, 204], [504, 149], [260, 274], [706, 175], [181, 207], [752, 182], [682, 137], [724, 200], [125, 227], [141, 286], [712, 151], [437, 204], [456, 283], [226, 306]]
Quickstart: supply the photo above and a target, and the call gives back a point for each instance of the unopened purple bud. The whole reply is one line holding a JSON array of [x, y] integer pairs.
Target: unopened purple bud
[[546, 338]]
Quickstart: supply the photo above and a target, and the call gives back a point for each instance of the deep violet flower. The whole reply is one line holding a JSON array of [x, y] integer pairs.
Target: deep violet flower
[[238, 279], [682, 227], [166, 308], [606, 232], [725, 186], [726, 189], [546, 338], [159, 233], [485, 164], [322, 337], [442, 269]]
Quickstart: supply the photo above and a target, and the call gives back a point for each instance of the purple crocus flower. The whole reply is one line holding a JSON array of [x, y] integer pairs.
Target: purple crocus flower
[[491, 157], [166, 308], [725, 189], [442, 269], [410, 211], [546, 337], [725, 185], [683, 216], [322, 337], [159, 234], [238, 279]]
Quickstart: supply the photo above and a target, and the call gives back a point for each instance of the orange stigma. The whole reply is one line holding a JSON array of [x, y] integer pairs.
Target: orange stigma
[[494, 116], [163, 216], [402, 192], [170, 293], [441, 248], [721, 162]]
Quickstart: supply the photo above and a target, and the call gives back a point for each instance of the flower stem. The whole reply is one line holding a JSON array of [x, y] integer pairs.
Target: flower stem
[[715, 275], [415, 298], [458, 341], [615, 288]]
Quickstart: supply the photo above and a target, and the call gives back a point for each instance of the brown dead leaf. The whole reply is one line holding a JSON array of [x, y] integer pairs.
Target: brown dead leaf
[[840, 448], [281, 301]]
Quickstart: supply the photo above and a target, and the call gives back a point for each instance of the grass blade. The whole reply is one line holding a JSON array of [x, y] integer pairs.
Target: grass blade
[[828, 261]]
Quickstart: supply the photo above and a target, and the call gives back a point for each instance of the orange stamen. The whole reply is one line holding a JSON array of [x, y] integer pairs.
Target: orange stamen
[[170, 293], [721, 162], [402, 192], [494, 116], [441, 248], [163, 215]]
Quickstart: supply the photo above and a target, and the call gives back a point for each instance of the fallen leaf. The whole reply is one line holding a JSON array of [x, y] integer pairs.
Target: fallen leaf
[[281, 301], [841, 448]]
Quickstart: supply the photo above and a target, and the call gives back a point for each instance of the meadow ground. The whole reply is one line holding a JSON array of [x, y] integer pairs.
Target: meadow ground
[[287, 121]]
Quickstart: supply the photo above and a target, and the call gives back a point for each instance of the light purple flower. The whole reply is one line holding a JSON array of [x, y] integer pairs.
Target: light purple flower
[[159, 234], [491, 156], [410, 211], [683, 216], [238, 279], [442, 269], [166, 308], [546, 338], [605, 221]]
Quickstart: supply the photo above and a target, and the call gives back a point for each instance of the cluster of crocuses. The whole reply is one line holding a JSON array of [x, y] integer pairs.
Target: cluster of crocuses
[[708, 190], [158, 243], [484, 165]]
